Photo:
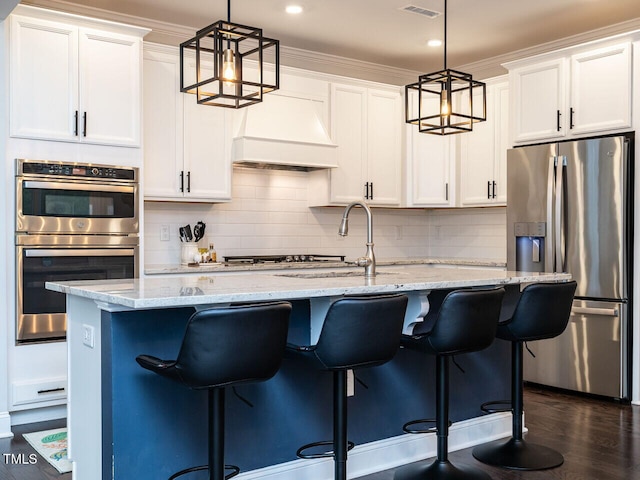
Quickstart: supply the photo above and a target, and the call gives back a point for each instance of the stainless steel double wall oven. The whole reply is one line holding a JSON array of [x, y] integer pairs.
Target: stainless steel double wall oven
[[74, 222]]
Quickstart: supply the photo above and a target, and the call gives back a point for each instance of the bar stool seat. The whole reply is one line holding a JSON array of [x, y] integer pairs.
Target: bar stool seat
[[541, 312], [466, 322], [358, 332], [224, 347]]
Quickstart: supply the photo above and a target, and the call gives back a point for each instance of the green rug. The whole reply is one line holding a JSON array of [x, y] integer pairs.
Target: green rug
[[52, 446]]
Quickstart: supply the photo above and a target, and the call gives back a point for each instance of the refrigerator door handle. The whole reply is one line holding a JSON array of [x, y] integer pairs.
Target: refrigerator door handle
[[608, 312], [550, 248], [559, 226]]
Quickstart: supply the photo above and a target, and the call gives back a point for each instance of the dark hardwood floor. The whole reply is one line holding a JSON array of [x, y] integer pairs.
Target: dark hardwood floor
[[19, 466], [600, 441]]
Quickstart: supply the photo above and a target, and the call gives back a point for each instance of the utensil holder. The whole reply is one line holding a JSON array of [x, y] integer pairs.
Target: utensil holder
[[189, 252]]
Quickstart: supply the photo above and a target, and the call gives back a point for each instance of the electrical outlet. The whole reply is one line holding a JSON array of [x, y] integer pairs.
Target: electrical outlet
[[88, 335], [351, 379], [164, 233]]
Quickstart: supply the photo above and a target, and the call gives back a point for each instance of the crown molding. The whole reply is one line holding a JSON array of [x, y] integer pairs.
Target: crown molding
[[173, 34]]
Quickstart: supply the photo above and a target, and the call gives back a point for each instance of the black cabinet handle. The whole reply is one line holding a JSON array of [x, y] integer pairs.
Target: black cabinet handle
[[188, 181], [446, 191], [371, 191], [366, 191], [84, 123], [494, 189], [51, 390], [558, 119], [75, 128], [182, 181], [571, 118], [488, 189]]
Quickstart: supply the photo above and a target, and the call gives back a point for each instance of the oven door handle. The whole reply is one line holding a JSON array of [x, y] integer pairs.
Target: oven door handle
[[74, 252], [79, 186]]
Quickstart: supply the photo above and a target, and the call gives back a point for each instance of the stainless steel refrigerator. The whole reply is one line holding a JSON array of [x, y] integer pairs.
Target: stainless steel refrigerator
[[569, 209]]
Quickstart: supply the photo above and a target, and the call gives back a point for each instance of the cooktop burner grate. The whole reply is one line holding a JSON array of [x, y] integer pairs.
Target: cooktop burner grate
[[283, 258]]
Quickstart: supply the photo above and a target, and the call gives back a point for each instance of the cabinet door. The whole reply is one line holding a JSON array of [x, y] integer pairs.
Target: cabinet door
[[348, 131], [601, 89], [501, 103], [163, 146], [384, 144], [477, 158], [538, 100], [44, 79], [109, 88], [207, 163], [483, 153]]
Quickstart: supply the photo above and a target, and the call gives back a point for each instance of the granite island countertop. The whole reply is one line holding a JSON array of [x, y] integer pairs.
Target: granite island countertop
[[211, 288], [163, 269]]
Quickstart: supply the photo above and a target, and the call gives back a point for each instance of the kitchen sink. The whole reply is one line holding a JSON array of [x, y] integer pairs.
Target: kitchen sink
[[349, 273]]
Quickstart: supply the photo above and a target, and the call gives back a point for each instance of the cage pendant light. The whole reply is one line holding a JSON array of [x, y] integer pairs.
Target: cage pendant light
[[447, 101], [229, 65]]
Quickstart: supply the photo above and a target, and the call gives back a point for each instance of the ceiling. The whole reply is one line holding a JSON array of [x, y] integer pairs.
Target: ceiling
[[378, 31]]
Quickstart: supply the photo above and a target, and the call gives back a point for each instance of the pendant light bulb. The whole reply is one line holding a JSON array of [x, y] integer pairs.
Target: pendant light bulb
[[445, 107], [228, 66]]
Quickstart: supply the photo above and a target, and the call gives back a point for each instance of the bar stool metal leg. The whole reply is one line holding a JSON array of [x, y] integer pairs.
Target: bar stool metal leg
[[340, 446], [441, 468], [516, 454]]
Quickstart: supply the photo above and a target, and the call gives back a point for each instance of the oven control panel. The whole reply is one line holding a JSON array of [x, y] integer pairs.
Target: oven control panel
[[75, 170]]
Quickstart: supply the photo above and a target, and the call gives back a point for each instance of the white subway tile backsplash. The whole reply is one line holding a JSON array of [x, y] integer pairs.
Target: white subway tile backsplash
[[269, 215]]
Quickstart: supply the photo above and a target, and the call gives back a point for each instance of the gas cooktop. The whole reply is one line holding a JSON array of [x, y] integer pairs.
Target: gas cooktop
[[283, 258]]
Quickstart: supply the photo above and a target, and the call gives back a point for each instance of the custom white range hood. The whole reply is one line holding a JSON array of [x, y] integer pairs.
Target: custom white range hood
[[283, 132]]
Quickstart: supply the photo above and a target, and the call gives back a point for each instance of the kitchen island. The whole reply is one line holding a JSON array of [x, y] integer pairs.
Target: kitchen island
[[126, 423]]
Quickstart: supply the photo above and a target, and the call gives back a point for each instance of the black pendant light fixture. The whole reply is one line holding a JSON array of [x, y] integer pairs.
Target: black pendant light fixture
[[445, 99], [224, 64]]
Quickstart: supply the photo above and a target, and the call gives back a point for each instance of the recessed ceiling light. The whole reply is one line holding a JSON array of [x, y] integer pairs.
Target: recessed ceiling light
[[434, 43], [293, 9]]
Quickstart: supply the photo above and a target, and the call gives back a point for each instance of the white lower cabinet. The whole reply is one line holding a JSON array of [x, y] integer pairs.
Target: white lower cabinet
[[186, 145], [366, 124]]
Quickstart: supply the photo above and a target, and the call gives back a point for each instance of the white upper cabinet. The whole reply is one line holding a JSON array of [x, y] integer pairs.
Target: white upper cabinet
[[366, 125], [186, 145], [431, 166], [577, 92], [75, 83], [483, 153]]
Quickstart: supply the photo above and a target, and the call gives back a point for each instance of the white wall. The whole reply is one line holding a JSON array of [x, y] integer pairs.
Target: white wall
[[269, 215]]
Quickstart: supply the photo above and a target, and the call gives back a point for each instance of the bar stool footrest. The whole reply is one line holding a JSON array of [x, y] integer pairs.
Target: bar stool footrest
[[300, 452], [488, 407], [407, 426], [235, 470]]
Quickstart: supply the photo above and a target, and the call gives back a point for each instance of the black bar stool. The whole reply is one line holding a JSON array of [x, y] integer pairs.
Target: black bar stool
[[466, 322], [357, 332], [541, 312], [223, 347]]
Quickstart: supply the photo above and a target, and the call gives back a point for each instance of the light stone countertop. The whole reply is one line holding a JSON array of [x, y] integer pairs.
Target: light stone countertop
[[211, 288], [160, 269]]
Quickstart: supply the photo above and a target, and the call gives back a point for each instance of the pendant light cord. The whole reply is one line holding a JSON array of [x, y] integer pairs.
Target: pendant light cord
[[445, 34], [229, 10]]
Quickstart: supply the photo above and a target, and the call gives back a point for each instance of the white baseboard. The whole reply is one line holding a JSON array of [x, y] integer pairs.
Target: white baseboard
[[34, 415], [390, 452], [5, 425]]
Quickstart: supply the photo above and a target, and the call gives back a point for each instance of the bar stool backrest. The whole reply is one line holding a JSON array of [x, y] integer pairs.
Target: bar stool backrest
[[542, 311], [467, 321], [361, 331], [232, 345]]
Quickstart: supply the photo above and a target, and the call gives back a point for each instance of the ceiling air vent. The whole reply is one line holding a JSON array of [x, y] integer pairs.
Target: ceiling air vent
[[420, 11]]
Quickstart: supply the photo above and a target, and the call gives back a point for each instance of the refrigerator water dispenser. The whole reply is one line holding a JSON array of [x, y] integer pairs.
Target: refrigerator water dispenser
[[530, 237]]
